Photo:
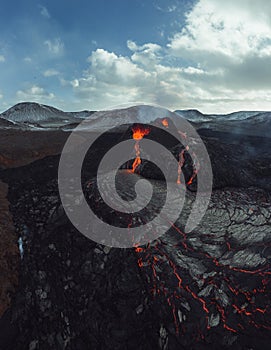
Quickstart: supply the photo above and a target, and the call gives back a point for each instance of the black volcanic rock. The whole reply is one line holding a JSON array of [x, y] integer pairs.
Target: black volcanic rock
[[237, 160], [6, 123], [206, 289], [77, 294]]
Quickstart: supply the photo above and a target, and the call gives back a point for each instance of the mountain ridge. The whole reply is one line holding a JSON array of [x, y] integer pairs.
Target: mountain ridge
[[34, 106], [34, 115], [36, 112]]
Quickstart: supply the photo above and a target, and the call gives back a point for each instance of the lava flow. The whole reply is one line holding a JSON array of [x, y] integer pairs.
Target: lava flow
[[234, 309], [138, 133], [165, 122]]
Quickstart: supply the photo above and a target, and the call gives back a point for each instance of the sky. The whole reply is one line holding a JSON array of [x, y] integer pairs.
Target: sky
[[210, 55]]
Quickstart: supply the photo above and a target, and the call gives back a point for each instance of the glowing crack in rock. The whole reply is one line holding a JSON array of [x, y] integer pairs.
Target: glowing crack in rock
[[138, 133]]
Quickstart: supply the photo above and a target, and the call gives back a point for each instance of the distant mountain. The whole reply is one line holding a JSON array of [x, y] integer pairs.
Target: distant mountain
[[252, 123], [32, 112], [81, 114], [241, 115], [42, 115], [196, 116], [34, 115], [193, 115], [261, 117]]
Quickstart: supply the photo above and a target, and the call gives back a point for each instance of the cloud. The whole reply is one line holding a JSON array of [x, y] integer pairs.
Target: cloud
[[227, 45], [112, 79], [230, 31], [109, 67], [34, 93], [169, 8], [219, 61], [50, 73], [55, 46], [145, 75], [28, 59], [2, 58], [172, 8], [44, 12], [232, 42], [146, 54]]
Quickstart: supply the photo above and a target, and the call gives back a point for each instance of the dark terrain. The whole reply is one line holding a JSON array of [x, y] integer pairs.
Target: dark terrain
[[208, 289]]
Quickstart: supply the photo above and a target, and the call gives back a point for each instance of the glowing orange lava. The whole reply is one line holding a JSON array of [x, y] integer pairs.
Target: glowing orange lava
[[138, 133], [165, 122]]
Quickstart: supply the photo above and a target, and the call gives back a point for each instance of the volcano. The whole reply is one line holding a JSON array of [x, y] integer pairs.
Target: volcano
[[206, 289]]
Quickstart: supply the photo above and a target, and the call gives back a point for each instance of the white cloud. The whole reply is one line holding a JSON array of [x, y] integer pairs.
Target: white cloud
[[2, 58], [146, 54], [44, 12], [233, 29], [55, 46], [232, 42], [227, 45], [218, 62], [193, 70], [172, 8], [168, 8], [28, 59], [109, 67], [34, 93], [50, 73], [112, 79], [75, 83]]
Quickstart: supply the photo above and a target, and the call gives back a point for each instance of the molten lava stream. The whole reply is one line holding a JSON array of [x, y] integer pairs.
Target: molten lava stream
[[165, 122], [138, 133]]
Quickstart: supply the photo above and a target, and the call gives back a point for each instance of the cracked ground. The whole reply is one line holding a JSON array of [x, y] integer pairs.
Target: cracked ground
[[207, 289]]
